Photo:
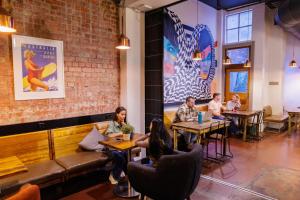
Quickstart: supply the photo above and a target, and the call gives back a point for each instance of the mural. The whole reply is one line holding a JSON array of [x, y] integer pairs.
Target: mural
[[182, 76]]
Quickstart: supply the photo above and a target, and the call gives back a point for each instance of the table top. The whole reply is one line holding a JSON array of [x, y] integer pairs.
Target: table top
[[240, 113], [196, 126], [293, 110], [119, 144]]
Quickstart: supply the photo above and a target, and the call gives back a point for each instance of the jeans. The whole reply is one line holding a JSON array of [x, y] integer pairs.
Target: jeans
[[218, 117], [119, 163]]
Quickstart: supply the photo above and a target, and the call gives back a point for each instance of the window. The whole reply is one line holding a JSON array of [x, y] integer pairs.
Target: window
[[239, 27], [238, 55]]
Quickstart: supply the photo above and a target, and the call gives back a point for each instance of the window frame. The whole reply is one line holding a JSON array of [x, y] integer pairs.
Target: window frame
[[238, 27]]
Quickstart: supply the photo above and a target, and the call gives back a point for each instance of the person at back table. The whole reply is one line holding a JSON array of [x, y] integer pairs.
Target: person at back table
[[187, 112], [234, 104], [215, 107]]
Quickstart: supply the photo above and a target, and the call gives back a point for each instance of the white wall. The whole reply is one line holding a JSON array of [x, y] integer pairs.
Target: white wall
[[132, 71]]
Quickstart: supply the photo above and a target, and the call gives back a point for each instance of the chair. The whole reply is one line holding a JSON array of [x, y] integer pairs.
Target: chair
[[254, 125], [27, 192], [217, 133], [269, 118], [175, 177]]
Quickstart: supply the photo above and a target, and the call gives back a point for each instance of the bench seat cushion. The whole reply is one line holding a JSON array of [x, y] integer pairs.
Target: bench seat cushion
[[276, 118], [83, 162], [43, 174]]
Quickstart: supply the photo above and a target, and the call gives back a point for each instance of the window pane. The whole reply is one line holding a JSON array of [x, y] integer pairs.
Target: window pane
[[245, 34], [239, 55], [239, 82], [246, 18], [232, 36], [232, 21]]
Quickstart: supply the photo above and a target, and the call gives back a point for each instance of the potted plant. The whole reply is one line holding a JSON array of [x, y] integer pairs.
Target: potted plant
[[127, 129]]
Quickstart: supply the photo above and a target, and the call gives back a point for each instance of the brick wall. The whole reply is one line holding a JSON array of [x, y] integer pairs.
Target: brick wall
[[89, 30]]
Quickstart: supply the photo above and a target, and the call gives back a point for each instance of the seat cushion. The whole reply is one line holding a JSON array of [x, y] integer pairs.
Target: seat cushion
[[43, 174], [83, 162], [276, 118]]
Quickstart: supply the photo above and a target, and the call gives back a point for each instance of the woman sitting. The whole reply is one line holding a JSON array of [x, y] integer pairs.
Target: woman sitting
[[234, 105], [119, 157], [158, 141]]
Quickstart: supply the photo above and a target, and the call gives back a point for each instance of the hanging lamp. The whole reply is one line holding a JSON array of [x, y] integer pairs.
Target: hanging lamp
[[247, 64], [6, 21], [197, 53], [124, 42], [227, 60], [293, 63]]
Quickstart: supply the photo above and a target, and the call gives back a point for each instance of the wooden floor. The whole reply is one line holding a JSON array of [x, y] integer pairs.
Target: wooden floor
[[270, 167]]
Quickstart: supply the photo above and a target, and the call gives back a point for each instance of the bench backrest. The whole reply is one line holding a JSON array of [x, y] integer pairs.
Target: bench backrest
[[267, 111], [66, 140], [28, 147]]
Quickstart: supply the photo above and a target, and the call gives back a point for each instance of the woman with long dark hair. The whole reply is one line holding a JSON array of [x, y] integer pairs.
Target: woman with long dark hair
[[158, 141], [119, 157]]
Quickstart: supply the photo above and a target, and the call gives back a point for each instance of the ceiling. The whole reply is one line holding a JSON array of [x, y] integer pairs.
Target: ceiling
[[146, 5]]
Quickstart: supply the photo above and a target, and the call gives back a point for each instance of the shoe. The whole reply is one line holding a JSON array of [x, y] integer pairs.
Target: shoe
[[112, 180]]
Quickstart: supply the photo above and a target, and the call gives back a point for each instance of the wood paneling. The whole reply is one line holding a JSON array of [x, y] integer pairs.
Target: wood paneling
[[11, 165], [66, 139], [29, 148]]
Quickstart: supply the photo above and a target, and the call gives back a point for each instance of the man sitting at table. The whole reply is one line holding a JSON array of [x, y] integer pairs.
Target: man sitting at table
[[215, 107], [187, 112]]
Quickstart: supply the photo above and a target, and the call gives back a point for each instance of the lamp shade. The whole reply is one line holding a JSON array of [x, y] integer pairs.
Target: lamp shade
[[197, 55], [6, 22], [227, 60], [247, 64], [124, 42], [293, 64]]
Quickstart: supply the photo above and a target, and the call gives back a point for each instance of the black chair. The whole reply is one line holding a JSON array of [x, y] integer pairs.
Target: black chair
[[254, 126], [175, 177]]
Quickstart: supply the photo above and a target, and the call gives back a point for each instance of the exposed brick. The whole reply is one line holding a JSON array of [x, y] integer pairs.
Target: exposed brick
[[89, 30]]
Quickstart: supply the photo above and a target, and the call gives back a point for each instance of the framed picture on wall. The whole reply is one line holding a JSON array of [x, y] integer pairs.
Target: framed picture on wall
[[38, 68]]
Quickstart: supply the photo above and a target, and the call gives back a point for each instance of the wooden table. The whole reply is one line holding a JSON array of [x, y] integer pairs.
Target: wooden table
[[292, 112], [123, 189], [198, 129], [245, 115]]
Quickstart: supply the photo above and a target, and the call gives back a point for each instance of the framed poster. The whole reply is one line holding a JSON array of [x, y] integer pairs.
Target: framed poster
[[38, 68]]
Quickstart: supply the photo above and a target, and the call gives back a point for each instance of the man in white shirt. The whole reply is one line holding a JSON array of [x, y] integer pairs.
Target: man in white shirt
[[215, 106]]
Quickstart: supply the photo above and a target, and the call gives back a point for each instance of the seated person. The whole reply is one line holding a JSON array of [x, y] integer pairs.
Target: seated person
[[158, 141], [215, 107], [187, 112], [234, 104], [119, 157]]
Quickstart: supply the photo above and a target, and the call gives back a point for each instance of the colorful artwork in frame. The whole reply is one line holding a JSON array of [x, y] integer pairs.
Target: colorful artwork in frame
[[38, 68], [239, 82]]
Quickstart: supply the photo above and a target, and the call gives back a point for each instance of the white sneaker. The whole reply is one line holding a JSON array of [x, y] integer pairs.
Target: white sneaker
[[112, 180]]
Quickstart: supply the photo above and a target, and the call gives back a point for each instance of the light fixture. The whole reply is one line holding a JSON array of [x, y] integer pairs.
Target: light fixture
[[227, 60], [124, 42], [293, 63], [247, 64], [197, 53], [6, 21]]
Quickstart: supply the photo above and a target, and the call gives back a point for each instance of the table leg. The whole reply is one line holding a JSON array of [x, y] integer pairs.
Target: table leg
[[245, 129], [225, 141], [290, 125], [175, 138], [124, 189]]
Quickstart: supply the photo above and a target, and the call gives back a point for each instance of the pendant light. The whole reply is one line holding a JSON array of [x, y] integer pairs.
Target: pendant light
[[6, 21], [247, 64], [293, 63], [124, 42], [227, 60], [197, 53]]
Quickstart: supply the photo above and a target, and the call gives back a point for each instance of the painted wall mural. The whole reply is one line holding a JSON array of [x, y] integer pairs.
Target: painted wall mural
[[182, 76]]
